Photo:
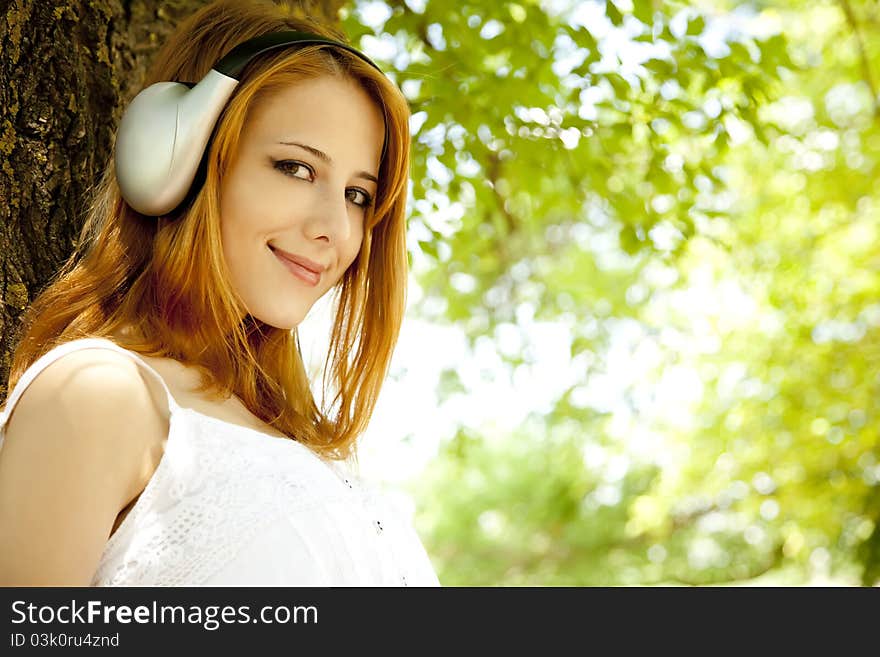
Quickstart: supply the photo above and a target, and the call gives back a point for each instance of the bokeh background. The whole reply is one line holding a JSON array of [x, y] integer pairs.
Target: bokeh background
[[641, 344], [642, 337]]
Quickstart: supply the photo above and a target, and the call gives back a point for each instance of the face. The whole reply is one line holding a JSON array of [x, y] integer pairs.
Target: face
[[294, 201]]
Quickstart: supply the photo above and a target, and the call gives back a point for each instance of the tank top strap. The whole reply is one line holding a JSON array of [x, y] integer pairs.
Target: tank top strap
[[61, 350]]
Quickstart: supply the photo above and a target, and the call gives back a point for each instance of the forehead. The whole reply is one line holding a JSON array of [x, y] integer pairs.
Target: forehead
[[329, 109]]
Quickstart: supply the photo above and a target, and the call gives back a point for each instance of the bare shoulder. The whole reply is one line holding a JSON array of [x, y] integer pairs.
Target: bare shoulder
[[88, 389], [81, 443]]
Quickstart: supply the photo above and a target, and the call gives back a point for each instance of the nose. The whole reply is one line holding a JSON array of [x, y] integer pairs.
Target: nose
[[328, 219]]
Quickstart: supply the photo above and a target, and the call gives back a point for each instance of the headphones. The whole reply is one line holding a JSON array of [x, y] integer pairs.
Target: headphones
[[164, 131]]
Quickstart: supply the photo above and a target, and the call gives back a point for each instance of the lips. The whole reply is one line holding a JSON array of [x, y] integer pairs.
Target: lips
[[304, 269], [311, 265]]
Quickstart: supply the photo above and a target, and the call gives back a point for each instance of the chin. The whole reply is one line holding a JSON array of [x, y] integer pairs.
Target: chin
[[287, 321], [288, 325]]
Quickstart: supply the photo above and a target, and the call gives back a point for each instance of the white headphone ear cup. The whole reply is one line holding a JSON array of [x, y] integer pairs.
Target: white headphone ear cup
[[161, 139]]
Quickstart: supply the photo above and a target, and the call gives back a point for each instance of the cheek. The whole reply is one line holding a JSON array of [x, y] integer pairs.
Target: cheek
[[235, 240], [243, 195], [227, 218], [349, 255], [357, 241], [228, 237]]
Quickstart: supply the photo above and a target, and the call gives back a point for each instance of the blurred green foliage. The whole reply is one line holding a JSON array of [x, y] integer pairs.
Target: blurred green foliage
[[699, 177]]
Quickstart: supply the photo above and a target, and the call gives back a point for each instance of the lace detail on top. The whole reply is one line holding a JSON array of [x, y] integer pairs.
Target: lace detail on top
[[232, 505]]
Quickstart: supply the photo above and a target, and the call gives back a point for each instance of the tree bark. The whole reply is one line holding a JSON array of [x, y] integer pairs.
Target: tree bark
[[66, 69]]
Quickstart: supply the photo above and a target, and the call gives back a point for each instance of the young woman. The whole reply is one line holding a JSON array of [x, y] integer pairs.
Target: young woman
[[160, 428]]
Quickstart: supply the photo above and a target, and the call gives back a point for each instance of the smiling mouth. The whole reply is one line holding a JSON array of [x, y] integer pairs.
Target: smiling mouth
[[302, 273]]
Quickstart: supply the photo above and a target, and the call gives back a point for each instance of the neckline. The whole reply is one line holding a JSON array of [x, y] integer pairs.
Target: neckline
[[241, 426], [263, 435]]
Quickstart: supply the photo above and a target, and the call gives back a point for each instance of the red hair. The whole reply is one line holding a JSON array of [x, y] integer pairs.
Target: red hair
[[166, 277]]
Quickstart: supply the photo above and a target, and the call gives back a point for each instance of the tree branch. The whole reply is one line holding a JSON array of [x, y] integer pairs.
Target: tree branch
[[493, 172], [863, 55]]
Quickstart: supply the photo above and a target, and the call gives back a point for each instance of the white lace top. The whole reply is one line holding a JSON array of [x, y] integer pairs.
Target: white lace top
[[232, 506]]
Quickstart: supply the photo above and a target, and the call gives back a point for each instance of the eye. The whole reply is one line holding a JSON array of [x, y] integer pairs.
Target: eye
[[295, 169], [359, 197]]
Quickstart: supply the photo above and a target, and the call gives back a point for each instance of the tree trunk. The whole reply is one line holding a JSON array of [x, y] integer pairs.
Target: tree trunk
[[66, 69]]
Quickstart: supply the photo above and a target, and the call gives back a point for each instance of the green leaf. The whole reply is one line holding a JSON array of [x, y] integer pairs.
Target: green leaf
[[696, 26], [644, 11], [430, 248], [613, 13]]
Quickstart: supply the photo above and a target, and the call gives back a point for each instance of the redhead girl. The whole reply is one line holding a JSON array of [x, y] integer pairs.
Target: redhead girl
[[160, 428]]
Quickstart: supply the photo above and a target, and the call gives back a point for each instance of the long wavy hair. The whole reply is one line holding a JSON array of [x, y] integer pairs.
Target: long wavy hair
[[166, 277]]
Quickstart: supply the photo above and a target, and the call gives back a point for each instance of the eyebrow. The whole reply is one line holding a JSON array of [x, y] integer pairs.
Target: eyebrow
[[321, 155]]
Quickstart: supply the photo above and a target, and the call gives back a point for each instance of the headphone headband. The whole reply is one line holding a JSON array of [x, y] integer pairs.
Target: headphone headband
[[232, 64]]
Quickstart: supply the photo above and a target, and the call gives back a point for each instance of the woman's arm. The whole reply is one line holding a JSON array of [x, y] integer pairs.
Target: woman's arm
[[80, 445]]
